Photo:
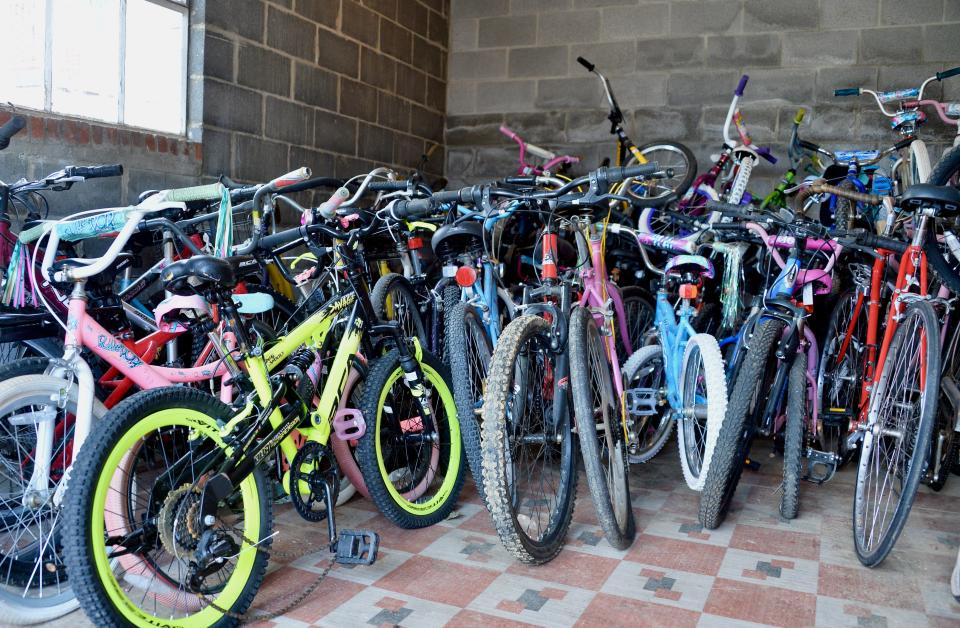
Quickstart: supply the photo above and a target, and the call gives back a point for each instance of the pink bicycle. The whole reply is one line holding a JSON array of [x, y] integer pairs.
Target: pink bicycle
[[552, 164]]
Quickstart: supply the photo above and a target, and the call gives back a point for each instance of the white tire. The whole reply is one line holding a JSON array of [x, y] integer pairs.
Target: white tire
[[702, 371]]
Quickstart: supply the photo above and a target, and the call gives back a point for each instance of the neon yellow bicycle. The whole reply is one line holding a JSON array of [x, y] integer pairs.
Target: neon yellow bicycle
[[170, 512]]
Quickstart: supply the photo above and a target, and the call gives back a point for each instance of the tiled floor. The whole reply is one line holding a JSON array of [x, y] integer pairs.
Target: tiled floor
[[756, 569]]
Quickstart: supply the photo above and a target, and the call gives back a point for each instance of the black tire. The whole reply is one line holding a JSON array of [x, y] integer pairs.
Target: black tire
[[399, 290], [793, 437], [522, 347], [915, 433], [947, 170], [469, 351], [386, 444], [678, 184], [946, 270], [39, 347], [844, 210], [947, 442], [599, 426], [639, 309], [84, 483], [733, 445]]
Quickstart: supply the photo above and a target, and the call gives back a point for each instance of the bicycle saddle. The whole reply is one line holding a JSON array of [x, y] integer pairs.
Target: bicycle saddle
[[201, 273], [944, 200], [695, 264], [457, 238]]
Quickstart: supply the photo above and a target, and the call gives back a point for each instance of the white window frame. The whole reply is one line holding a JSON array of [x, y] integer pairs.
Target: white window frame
[[180, 6]]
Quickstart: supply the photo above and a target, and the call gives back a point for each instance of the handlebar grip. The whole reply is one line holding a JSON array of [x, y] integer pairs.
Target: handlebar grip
[[848, 91], [798, 118], [804, 144], [741, 85], [880, 242], [295, 176], [450, 196], [11, 128], [94, 172], [209, 192], [947, 73], [280, 238], [387, 186], [628, 172], [728, 209], [414, 207], [589, 66], [33, 233]]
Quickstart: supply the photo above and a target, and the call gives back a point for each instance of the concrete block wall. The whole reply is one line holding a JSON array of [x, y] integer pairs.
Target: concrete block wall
[[336, 85], [674, 65]]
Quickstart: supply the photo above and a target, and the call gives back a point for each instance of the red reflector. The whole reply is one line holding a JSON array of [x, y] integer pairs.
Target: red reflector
[[414, 243], [688, 291], [466, 276]]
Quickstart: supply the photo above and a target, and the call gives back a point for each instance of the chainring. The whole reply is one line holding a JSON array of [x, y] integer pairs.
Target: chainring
[[316, 467]]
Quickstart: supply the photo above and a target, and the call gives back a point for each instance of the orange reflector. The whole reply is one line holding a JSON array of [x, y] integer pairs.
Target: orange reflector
[[688, 291], [414, 243], [466, 276]]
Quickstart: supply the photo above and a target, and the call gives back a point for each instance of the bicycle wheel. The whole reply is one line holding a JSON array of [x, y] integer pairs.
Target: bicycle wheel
[[33, 580], [137, 550], [896, 442], [529, 455], [651, 426], [945, 446], [470, 350], [659, 192], [412, 464], [733, 444], [394, 299], [603, 446], [842, 365], [703, 392], [793, 436], [639, 310], [947, 169]]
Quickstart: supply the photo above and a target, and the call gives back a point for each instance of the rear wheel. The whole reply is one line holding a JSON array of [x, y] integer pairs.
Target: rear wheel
[[529, 454], [896, 442], [647, 405], [599, 425], [639, 310], [394, 299]]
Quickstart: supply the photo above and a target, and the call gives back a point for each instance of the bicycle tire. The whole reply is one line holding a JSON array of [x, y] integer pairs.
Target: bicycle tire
[[391, 286], [937, 471], [376, 455], [947, 169], [91, 570], [797, 397], [648, 362], [640, 309], [503, 493], [602, 445], [946, 271], [470, 350], [874, 554], [696, 455], [682, 183], [733, 444]]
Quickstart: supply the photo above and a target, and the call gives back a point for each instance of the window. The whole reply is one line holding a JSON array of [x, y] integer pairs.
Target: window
[[120, 61]]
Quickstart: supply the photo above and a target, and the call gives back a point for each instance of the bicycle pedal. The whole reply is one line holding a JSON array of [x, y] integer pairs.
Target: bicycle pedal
[[357, 547]]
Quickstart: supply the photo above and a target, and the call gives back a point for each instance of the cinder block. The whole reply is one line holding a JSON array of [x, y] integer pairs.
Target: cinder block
[[675, 52], [726, 51], [244, 17], [414, 16], [913, 12], [358, 100], [505, 96], [538, 62], [436, 93], [218, 154], [218, 56], [393, 112], [461, 97], [903, 76], [460, 9], [231, 107], [395, 40], [643, 89], [479, 64], [408, 150], [263, 69], [540, 127], [823, 49], [437, 28], [375, 143], [258, 159], [760, 121], [672, 123], [521, 7], [791, 86], [323, 12], [592, 4], [942, 43], [291, 34], [471, 130], [426, 124], [383, 7], [831, 123], [696, 17], [830, 79], [428, 57], [780, 15], [338, 53], [411, 83], [464, 34], [630, 22], [360, 23], [320, 163], [892, 45], [315, 87], [377, 69], [568, 93], [288, 122], [335, 133], [849, 14], [344, 167], [569, 27], [496, 161], [589, 126], [514, 30], [611, 58], [701, 87]]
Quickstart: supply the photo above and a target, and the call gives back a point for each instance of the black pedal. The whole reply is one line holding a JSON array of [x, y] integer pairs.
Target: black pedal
[[836, 417], [357, 547], [821, 466]]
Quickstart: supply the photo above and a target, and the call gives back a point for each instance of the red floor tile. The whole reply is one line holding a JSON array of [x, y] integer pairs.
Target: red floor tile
[[473, 619], [331, 594], [873, 586], [438, 580], [572, 568], [776, 542], [612, 610], [674, 554], [757, 603]]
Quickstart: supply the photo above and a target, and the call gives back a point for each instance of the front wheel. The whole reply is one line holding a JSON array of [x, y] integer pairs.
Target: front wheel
[[898, 433], [411, 455], [394, 299], [659, 192], [797, 402], [138, 550], [703, 393], [597, 412]]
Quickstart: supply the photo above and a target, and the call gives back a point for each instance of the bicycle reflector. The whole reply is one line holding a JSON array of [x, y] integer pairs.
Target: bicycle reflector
[[466, 276], [688, 291]]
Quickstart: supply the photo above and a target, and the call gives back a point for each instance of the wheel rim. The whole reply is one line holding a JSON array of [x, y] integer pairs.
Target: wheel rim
[[695, 411], [478, 357], [639, 317], [838, 382], [666, 156], [648, 429]]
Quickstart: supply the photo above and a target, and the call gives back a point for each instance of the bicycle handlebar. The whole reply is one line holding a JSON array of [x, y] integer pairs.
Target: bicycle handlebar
[[741, 85], [11, 128], [948, 73], [94, 172], [589, 66], [847, 91]]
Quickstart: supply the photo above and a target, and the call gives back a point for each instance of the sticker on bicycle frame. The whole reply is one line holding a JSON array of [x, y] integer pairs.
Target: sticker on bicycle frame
[[899, 94], [858, 155]]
